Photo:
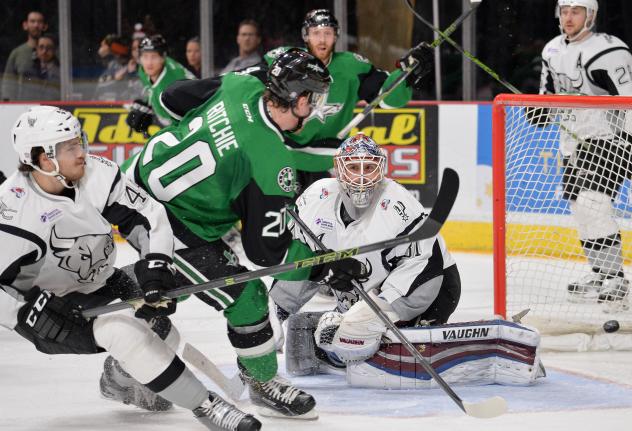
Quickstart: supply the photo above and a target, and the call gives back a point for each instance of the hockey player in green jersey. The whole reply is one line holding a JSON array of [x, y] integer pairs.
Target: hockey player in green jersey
[[225, 161], [157, 71], [354, 78]]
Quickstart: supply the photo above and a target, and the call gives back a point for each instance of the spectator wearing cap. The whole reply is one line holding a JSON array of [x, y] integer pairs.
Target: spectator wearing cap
[[157, 71], [194, 56], [112, 84], [248, 40], [20, 61]]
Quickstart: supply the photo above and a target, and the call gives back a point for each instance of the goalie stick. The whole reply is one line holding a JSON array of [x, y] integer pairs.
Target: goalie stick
[[489, 408], [443, 205], [384, 94]]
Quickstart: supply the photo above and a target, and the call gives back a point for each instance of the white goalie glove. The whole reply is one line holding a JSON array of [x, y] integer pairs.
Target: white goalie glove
[[355, 335]]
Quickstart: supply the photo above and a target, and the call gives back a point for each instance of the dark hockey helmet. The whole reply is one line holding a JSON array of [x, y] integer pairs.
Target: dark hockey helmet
[[297, 72], [154, 43], [319, 18]]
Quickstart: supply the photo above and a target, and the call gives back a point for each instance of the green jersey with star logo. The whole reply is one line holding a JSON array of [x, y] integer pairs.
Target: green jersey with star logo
[[171, 72], [225, 161], [354, 79]]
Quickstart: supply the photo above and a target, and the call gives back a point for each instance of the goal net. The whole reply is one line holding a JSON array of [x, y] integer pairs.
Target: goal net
[[563, 210]]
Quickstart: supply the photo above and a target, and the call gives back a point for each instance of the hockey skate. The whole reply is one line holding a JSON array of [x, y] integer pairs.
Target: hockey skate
[[278, 398], [613, 294], [587, 287], [219, 415], [117, 385]]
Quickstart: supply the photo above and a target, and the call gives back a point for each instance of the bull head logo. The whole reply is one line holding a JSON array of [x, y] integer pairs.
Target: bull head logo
[[86, 255]]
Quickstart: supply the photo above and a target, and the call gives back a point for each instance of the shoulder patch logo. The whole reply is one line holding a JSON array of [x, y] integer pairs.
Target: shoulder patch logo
[[324, 193], [19, 192], [50, 215], [285, 179], [324, 224], [400, 209], [384, 204], [360, 58]]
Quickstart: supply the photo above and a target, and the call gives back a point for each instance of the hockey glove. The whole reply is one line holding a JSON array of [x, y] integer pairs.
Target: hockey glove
[[155, 275], [341, 274], [423, 54], [140, 116], [49, 317]]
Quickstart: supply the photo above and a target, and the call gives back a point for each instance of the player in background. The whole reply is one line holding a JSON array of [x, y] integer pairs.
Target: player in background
[[596, 162], [412, 283], [156, 72], [57, 212], [354, 78], [225, 161]]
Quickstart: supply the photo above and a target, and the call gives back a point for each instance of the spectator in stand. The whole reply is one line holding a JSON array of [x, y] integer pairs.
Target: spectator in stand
[[194, 56], [20, 59], [248, 40], [112, 83], [42, 82]]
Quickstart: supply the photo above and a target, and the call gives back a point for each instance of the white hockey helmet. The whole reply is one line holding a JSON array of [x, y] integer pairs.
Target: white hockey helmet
[[44, 126], [360, 166], [591, 7]]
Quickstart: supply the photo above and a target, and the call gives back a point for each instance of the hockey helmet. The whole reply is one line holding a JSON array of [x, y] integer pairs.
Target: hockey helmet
[[295, 73], [319, 18], [591, 7], [360, 166], [155, 43], [45, 127]]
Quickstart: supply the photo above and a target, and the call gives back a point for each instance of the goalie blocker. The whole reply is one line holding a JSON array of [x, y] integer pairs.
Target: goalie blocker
[[466, 353]]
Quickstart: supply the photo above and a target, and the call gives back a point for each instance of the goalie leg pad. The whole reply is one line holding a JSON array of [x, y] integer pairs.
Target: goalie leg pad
[[300, 350], [469, 353]]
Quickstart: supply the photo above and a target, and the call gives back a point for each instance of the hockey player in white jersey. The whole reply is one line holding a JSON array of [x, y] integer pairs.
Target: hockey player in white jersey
[[413, 282], [56, 216], [417, 285], [594, 144]]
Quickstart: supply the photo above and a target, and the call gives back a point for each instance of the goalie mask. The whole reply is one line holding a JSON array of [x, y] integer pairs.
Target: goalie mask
[[591, 7], [45, 127], [360, 166]]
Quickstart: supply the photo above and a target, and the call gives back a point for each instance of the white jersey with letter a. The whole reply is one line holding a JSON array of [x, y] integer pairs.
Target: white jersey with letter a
[[599, 65], [396, 272], [64, 244]]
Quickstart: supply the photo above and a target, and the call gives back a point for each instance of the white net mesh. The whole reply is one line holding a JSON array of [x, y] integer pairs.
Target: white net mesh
[[568, 216]]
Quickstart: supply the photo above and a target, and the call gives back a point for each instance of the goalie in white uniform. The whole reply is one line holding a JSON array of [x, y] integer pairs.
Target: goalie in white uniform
[[58, 255], [415, 284], [595, 144]]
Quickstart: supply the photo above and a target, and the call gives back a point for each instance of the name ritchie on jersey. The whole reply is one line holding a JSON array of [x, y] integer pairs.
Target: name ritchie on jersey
[[224, 136]]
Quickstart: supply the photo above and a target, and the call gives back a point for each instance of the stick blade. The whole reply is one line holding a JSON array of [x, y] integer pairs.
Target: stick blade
[[448, 192], [489, 408], [232, 387]]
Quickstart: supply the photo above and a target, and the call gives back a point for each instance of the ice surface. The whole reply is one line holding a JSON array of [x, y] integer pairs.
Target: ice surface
[[584, 391]]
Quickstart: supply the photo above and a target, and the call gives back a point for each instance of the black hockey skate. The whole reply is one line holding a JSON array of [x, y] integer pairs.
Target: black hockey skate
[[219, 415], [117, 385], [278, 398]]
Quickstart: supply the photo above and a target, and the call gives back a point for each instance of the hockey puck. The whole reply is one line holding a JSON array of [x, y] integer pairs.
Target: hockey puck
[[611, 326]]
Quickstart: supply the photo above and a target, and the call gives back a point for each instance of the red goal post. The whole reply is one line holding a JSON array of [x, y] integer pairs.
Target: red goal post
[[537, 251]]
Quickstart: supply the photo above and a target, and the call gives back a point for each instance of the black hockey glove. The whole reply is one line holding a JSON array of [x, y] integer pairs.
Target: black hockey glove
[[140, 116], [423, 54], [49, 317], [155, 275], [341, 274]]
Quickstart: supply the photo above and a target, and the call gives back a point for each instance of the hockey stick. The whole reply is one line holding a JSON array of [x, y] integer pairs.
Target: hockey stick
[[467, 54], [435, 43], [233, 387], [489, 408], [445, 199]]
